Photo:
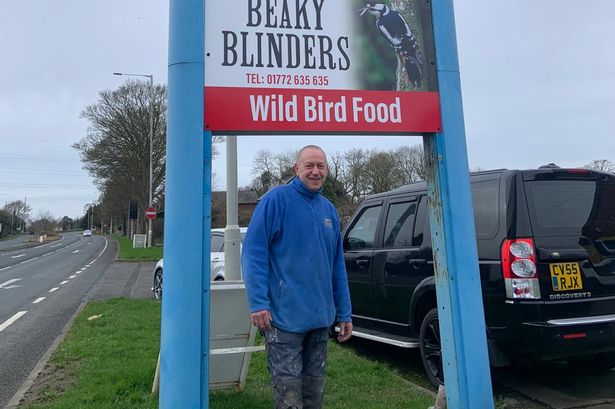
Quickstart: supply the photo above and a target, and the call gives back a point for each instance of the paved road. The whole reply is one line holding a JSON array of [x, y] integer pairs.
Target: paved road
[[556, 385], [40, 289]]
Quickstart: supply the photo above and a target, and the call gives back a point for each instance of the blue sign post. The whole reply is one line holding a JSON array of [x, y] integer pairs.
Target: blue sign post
[[185, 307], [460, 309]]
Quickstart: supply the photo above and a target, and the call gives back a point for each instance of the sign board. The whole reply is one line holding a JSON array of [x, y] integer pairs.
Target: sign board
[[139, 241], [231, 335], [333, 66], [150, 213], [249, 45]]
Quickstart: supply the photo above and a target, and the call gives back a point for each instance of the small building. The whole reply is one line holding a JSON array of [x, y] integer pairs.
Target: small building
[[247, 200]]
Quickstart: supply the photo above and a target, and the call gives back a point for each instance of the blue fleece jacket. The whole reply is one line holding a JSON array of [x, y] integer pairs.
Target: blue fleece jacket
[[293, 261]]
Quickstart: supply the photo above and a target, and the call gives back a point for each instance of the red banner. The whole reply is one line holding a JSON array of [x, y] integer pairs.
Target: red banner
[[284, 110]]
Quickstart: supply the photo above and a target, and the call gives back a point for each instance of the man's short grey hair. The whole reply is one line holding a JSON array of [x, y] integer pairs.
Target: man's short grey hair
[[309, 147]]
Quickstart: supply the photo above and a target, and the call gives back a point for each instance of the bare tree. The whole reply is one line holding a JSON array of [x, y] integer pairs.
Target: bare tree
[[271, 169], [115, 150], [353, 175], [411, 163], [602, 165], [336, 168], [263, 162], [353, 170], [44, 223], [286, 164], [381, 172], [19, 209]]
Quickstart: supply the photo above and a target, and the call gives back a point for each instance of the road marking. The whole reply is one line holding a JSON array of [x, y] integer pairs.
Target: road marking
[[64, 282], [46, 254], [83, 268], [11, 320], [27, 261], [55, 245], [73, 276], [101, 253], [38, 300], [54, 289], [78, 272], [5, 268], [21, 255], [76, 251], [6, 285]]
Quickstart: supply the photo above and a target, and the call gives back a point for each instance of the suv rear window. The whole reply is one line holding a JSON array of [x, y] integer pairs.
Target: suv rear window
[[571, 207]]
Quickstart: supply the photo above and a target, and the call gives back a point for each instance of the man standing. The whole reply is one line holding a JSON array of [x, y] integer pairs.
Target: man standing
[[293, 267]]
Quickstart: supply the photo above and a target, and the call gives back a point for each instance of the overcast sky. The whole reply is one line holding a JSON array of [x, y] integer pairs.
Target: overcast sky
[[538, 83]]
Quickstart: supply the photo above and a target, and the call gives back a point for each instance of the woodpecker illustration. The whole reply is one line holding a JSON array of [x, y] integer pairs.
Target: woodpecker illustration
[[396, 31]]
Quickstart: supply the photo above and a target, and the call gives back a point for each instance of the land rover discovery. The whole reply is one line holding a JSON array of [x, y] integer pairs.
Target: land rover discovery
[[546, 247]]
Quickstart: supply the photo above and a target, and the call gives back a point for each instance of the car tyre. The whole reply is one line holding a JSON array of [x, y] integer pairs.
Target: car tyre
[[157, 288], [431, 347], [594, 364]]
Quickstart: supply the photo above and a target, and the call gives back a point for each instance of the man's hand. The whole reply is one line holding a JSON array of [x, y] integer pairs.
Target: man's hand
[[262, 320], [345, 331]]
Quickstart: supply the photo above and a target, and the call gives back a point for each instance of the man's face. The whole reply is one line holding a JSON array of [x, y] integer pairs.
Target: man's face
[[312, 168]]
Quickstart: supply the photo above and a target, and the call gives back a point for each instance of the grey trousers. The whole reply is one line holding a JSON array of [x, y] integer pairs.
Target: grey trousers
[[297, 363]]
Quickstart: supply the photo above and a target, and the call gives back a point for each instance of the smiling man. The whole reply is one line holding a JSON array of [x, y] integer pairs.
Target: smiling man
[[293, 267]]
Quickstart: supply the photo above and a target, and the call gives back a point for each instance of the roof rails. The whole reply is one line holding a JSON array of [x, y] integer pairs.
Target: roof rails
[[485, 172]]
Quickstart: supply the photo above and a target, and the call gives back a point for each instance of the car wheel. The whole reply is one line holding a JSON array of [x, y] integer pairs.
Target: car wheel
[[157, 288], [594, 363], [431, 348]]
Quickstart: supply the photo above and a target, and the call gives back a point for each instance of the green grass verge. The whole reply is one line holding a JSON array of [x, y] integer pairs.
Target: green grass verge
[[109, 362], [106, 363], [4, 238], [132, 254]]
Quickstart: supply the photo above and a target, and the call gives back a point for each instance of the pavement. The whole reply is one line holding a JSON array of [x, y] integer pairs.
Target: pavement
[[126, 279]]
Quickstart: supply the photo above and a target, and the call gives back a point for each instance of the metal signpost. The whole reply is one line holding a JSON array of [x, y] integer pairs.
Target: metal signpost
[[460, 310], [185, 307], [301, 67]]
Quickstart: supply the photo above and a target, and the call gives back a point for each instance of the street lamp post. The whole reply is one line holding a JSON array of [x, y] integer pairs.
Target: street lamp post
[[151, 143]]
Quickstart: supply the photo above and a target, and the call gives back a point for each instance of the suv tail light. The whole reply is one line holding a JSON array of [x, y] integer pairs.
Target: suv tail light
[[519, 268]]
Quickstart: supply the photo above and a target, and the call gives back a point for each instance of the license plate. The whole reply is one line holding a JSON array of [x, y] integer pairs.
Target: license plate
[[565, 276]]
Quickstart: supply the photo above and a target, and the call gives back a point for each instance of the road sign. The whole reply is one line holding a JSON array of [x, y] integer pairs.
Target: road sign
[[150, 213], [314, 66], [303, 68]]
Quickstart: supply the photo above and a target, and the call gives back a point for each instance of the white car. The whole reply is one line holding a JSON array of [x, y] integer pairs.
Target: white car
[[87, 233], [216, 260]]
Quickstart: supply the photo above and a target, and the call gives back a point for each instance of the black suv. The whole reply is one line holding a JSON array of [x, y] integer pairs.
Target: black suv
[[546, 247]]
